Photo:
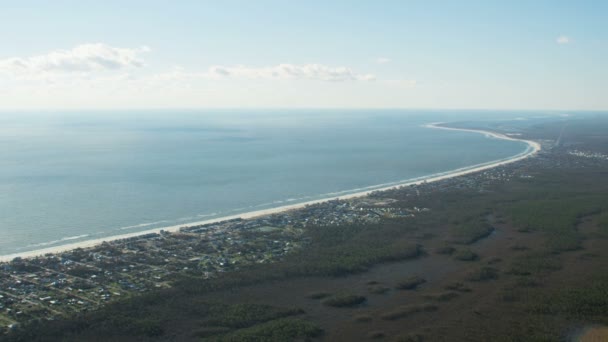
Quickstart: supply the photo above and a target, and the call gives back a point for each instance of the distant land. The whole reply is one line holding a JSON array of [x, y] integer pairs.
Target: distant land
[[520, 242]]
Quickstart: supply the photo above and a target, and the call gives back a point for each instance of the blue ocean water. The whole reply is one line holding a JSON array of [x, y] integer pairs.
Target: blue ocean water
[[72, 176]]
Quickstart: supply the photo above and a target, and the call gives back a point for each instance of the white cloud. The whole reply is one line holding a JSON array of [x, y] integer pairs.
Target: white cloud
[[289, 72], [86, 61], [80, 59], [563, 40], [382, 60]]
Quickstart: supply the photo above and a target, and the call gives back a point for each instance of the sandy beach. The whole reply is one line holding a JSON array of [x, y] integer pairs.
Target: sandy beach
[[533, 148]]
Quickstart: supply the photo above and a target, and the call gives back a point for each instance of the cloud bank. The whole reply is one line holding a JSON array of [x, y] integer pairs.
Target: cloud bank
[[289, 72], [86, 59], [82, 58]]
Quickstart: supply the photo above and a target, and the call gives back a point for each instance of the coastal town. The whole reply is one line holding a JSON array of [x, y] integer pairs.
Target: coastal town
[[57, 285]]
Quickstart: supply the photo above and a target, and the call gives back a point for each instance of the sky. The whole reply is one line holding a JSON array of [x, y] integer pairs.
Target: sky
[[304, 54]]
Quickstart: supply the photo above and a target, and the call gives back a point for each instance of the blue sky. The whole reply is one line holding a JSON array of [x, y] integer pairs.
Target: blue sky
[[355, 54]]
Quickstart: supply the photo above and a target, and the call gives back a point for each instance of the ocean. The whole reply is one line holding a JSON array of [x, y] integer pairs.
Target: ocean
[[73, 176]]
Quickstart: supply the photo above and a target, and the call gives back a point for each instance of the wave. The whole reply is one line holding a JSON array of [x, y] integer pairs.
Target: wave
[[141, 225], [207, 215], [68, 238], [182, 219]]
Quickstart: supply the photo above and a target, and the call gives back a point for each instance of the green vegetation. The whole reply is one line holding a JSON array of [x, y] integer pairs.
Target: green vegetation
[[483, 274], [446, 250], [410, 338], [466, 255], [535, 263], [287, 329], [343, 300], [351, 249], [376, 334], [519, 248], [458, 286], [526, 282], [558, 218], [589, 302], [243, 315], [378, 289], [509, 295], [602, 223], [471, 231], [411, 283], [319, 295], [408, 310], [494, 260], [150, 316], [363, 318], [210, 331], [443, 296]]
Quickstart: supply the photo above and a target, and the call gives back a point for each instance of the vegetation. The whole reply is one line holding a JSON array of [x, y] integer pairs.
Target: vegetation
[[363, 318], [483, 274], [447, 249], [319, 295], [410, 338], [472, 231], [443, 296], [411, 283], [378, 289], [526, 282], [287, 329], [589, 302], [535, 263], [602, 223], [376, 334], [338, 251], [352, 249], [557, 217], [458, 286], [150, 316], [466, 255], [408, 310], [343, 300], [519, 248]]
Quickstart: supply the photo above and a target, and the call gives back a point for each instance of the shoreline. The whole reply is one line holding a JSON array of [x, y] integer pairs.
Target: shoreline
[[533, 148]]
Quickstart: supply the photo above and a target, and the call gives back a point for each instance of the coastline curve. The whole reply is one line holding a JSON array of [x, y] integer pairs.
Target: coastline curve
[[532, 149]]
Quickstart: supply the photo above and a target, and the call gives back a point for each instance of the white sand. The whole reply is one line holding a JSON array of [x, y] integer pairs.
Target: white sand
[[534, 147]]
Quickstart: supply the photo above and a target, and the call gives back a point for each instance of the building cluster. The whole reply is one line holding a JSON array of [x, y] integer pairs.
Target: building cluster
[[55, 285], [589, 154]]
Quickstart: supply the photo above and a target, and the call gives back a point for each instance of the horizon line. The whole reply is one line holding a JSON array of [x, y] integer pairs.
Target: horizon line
[[50, 109]]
